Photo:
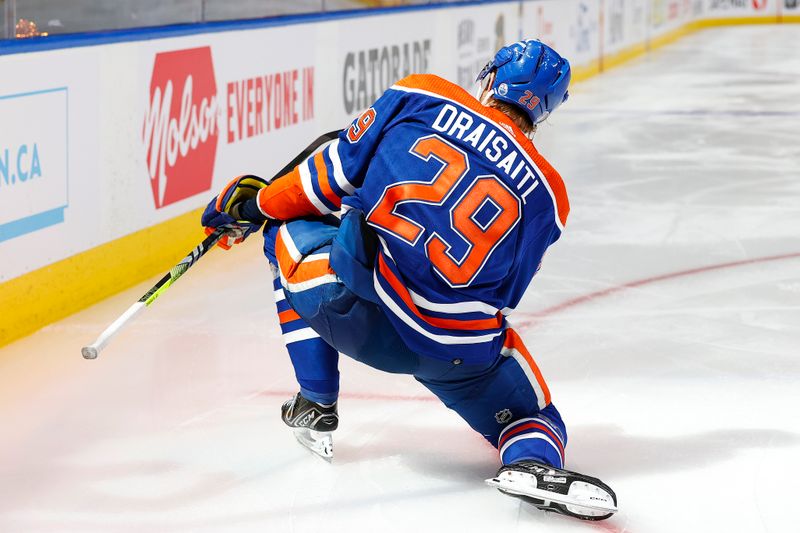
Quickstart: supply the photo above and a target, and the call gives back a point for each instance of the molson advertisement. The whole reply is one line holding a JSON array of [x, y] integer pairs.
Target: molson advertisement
[[191, 116], [180, 125]]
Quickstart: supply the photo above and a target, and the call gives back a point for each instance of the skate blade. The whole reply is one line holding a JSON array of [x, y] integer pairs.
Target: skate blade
[[583, 498], [318, 442]]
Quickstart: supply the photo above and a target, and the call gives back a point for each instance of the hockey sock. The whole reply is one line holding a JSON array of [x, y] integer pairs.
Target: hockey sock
[[537, 438], [315, 361]]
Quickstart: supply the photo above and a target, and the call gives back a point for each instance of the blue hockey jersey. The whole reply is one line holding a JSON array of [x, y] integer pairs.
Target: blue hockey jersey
[[463, 205]]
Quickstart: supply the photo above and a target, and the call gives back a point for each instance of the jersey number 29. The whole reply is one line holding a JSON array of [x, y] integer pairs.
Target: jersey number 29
[[481, 239]]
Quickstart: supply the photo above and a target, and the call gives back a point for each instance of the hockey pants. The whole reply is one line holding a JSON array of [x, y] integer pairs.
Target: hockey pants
[[505, 400]]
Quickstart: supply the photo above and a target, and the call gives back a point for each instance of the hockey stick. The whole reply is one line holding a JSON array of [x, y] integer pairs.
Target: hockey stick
[[92, 351], [310, 149]]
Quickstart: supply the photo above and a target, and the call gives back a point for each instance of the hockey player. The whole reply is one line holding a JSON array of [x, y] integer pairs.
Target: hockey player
[[444, 210]]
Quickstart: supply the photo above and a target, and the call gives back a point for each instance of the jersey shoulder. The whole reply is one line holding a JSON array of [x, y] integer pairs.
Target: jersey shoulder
[[553, 181], [441, 89], [433, 85]]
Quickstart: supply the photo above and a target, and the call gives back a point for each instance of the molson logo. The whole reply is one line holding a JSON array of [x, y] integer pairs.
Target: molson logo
[[180, 126]]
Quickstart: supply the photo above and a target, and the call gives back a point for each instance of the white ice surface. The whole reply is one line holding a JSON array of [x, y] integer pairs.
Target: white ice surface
[[682, 393]]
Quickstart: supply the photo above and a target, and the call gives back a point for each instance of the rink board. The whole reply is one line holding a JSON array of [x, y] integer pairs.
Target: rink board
[[154, 126]]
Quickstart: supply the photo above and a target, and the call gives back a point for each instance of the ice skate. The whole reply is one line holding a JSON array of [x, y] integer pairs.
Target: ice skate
[[312, 423], [557, 490]]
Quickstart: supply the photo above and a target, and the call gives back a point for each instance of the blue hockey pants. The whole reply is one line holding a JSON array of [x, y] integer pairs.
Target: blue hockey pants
[[325, 306]]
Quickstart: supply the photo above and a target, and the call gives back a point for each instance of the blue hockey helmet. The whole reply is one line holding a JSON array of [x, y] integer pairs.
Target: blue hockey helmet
[[531, 76]]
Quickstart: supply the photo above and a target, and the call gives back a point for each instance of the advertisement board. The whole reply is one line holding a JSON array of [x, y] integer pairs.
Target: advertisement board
[[742, 8], [570, 26], [390, 48], [666, 16], [109, 140], [789, 8], [34, 178], [104, 143], [624, 25], [158, 126], [476, 35]]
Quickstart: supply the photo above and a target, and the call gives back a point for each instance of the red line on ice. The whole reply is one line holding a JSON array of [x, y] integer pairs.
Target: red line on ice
[[654, 279], [360, 396], [589, 297]]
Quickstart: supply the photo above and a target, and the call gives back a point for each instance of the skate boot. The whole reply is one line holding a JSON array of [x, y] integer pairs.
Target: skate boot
[[557, 490], [312, 423]]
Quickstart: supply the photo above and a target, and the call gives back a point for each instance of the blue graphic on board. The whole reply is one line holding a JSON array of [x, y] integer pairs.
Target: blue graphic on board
[[33, 161]]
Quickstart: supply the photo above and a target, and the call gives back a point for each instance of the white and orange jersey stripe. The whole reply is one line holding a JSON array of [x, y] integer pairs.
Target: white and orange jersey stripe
[[450, 324], [298, 272], [316, 186], [514, 347]]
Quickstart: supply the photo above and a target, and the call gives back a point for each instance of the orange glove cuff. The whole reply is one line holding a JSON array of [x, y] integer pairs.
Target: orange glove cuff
[[285, 198]]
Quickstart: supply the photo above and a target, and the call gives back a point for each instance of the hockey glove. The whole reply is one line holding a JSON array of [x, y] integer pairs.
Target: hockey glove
[[227, 210]]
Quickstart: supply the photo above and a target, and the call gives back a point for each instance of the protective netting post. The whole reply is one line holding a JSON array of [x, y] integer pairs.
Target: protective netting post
[[9, 18]]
